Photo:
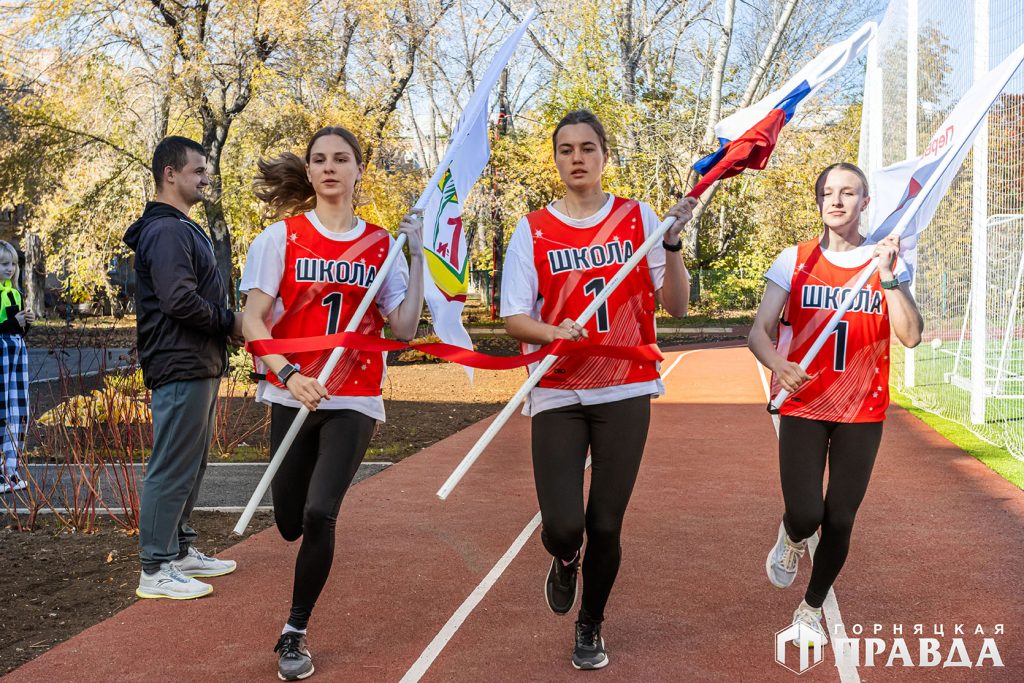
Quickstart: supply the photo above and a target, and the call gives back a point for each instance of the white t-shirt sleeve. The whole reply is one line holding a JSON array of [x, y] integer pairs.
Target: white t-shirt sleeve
[[396, 284], [264, 264], [656, 256], [519, 283], [781, 271]]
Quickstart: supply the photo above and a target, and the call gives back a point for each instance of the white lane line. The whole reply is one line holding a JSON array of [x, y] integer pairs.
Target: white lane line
[[672, 367], [434, 648], [847, 669]]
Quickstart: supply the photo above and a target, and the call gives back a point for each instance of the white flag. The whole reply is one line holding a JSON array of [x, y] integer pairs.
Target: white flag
[[923, 181], [446, 275]]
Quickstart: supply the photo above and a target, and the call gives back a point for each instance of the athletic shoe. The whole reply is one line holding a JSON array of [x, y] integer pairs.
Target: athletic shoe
[[12, 483], [589, 651], [560, 585], [783, 559], [294, 661], [807, 617], [197, 564], [168, 582]]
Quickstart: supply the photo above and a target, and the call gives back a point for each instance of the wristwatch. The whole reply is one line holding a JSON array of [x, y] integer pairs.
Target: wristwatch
[[672, 247], [891, 284], [285, 372]]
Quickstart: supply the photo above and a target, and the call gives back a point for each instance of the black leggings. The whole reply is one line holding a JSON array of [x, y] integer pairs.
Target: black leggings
[[615, 433], [308, 489], [850, 449]]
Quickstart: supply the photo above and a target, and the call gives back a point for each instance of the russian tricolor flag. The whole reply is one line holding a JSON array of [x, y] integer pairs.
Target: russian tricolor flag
[[748, 137]]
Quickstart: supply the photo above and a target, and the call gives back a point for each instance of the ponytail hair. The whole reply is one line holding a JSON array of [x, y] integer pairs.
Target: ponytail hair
[[282, 181]]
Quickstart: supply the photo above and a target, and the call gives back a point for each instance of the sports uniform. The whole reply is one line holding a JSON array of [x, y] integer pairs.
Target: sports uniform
[[837, 415], [554, 267], [318, 278]]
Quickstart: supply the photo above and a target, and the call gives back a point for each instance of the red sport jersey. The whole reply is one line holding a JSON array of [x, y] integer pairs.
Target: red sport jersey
[[573, 265], [324, 281], [850, 375]]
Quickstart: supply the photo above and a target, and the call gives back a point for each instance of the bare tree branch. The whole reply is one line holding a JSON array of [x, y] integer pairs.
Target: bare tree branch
[[555, 61]]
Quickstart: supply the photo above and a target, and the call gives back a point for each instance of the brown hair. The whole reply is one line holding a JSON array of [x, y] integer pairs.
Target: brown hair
[[841, 166], [581, 116], [283, 184]]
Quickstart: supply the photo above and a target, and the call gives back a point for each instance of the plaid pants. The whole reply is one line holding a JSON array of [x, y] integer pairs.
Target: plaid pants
[[13, 399]]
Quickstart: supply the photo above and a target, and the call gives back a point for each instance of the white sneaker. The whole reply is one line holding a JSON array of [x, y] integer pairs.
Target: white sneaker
[[809, 621], [197, 564], [168, 582], [783, 559], [12, 483]]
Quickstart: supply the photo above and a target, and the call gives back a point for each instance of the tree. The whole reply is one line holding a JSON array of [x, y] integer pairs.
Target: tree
[[196, 69]]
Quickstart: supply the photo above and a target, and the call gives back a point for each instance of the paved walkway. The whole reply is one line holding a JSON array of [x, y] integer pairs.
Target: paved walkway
[[45, 365], [226, 486]]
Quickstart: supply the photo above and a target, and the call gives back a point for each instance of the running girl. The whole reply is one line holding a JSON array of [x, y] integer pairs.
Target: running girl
[[836, 410], [558, 259], [305, 276]]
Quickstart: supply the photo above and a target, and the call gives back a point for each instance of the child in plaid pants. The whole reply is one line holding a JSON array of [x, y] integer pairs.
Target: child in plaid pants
[[14, 322]]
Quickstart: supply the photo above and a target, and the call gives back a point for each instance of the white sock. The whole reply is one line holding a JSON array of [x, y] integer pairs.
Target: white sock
[[288, 628]]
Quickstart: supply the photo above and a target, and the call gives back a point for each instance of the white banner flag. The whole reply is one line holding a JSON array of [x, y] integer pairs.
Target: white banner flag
[[446, 272], [446, 275], [910, 191]]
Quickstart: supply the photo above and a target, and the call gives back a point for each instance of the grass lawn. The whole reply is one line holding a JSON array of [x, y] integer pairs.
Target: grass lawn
[[996, 458]]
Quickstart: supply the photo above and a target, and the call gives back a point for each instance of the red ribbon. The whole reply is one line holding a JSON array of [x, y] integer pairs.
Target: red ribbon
[[450, 352]]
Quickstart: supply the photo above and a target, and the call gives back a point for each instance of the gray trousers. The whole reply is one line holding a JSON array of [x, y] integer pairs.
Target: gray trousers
[[183, 418]]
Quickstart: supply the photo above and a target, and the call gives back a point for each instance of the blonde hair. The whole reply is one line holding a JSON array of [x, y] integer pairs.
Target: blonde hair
[[6, 248]]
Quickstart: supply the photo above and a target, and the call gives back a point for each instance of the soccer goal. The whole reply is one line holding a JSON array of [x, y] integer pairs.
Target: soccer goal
[[969, 272]]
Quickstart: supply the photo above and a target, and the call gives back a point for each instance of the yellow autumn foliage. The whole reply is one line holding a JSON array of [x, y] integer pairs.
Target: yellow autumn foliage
[[120, 401]]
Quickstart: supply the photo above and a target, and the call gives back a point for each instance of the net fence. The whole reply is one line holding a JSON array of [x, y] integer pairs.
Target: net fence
[[970, 265]]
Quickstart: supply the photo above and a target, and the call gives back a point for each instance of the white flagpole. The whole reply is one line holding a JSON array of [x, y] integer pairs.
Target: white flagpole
[[548, 361], [476, 101]]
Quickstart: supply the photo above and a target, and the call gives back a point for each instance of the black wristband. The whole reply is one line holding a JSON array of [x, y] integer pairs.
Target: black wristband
[[672, 247], [284, 373]]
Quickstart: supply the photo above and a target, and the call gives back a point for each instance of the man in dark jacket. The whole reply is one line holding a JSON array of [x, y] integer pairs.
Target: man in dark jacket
[[184, 326]]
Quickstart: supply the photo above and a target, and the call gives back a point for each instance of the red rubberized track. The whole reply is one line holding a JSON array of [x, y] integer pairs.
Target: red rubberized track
[[938, 541]]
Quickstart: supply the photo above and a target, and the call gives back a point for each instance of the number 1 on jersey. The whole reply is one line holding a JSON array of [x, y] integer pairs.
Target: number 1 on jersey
[[334, 312], [594, 287], [840, 357]]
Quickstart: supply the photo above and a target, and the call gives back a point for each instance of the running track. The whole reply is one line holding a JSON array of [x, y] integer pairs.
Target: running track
[[939, 541]]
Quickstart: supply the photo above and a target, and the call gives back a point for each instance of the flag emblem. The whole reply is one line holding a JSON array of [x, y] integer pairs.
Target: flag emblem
[[445, 251]]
